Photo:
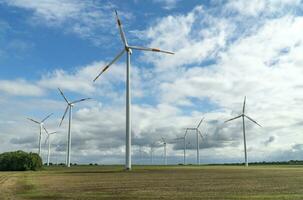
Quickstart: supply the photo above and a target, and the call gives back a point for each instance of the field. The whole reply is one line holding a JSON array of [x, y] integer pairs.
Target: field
[[155, 182]]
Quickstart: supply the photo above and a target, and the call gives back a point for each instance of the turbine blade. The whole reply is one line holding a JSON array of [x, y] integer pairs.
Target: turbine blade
[[244, 105], [252, 120], [151, 49], [63, 95], [122, 34], [185, 133], [45, 130], [47, 137], [200, 134], [233, 118], [108, 65], [64, 115], [33, 120], [47, 117], [200, 122], [81, 100], [53, 132]]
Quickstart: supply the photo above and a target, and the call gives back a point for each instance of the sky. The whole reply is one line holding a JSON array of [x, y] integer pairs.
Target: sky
[[224, 50]]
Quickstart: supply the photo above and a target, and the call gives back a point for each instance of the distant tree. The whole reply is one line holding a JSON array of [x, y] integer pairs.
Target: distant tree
[[19, 161]]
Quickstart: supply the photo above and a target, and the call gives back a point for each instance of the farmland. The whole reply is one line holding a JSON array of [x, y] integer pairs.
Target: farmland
[[155, 182]]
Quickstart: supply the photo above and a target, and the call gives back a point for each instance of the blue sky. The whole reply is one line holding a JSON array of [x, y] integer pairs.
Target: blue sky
[[224, 50], [33, 44]]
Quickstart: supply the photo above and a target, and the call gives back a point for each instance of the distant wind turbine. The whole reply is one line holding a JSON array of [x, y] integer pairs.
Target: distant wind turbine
[[151, 153], [48, 139], [164, 145], [41, 123], [69, 108], [184, 147], [198, 133], [243, 115], [128, 50]]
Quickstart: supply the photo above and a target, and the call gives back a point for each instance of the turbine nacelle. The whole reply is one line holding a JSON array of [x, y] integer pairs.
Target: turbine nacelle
[[128, 49]]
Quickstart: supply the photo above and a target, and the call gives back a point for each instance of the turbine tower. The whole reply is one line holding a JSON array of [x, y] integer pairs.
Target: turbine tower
[[41, 123], [197, 138], [243, 115], [69, 108], [128, 50], [151, 153], [48, 139], [164, 145]]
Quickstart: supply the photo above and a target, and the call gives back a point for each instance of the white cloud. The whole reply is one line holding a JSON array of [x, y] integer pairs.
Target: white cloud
[[257, 7], [20, 88], [194, 37], [168, 4]]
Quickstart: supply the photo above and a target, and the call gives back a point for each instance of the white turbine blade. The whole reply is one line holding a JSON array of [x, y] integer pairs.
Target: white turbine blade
[[151, 49], [233, 118], [81, 100], [200, 134], [200, 122], [64, 115], [244, 105], [252, 120], [121, 29], [107, 66], [63, 95], [47, 137], [185, 132], [47, 117], [53, 132], [33, 120]]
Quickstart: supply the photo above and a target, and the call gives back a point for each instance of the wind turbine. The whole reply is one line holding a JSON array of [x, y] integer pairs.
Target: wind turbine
[[41, 123], [184, 143], [197, 135], [48, 139], [128, 50], [164, 145], [69, 108], [243, 115], [151, 153]]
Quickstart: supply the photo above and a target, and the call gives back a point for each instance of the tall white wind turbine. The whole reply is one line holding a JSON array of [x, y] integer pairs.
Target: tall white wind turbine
[[41, 123], [128, 50], [48, 139], [243, 115], [198, 133], [69, 108]]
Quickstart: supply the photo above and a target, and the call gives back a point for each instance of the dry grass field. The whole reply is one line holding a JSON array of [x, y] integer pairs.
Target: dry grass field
[[155, 182]]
